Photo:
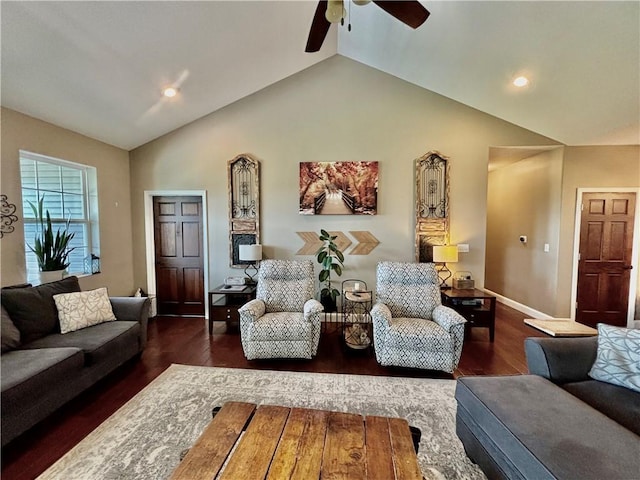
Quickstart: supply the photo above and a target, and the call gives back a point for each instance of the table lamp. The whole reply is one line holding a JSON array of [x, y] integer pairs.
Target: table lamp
[[252, 254], [444, 254]]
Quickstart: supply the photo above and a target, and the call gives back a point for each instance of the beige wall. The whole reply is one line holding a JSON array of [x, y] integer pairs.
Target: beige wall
[[539, 194], [18, 132], [524, 199], [337, 110], [590, 167]]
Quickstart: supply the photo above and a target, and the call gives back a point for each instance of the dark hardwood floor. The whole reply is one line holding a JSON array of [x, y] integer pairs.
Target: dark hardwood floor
[[186, 341]]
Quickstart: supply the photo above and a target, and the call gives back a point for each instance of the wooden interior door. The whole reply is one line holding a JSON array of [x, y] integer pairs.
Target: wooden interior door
[[604, 266], [179, 255]]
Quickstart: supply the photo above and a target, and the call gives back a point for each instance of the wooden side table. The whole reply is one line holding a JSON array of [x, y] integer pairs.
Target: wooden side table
[[225, 308], [476, 306], [561, 327]]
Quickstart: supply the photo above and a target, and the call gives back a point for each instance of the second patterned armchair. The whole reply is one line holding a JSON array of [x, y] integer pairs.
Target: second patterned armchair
[[411, 328], [284, 319]]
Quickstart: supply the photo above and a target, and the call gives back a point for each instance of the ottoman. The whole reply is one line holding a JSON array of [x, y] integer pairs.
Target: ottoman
[[526, 427]]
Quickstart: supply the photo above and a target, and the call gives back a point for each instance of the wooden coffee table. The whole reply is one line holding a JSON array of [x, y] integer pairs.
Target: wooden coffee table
[[561, 327], [273, 442]]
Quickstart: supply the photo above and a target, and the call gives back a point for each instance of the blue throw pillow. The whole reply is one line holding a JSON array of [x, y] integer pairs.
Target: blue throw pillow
[[618, 358]]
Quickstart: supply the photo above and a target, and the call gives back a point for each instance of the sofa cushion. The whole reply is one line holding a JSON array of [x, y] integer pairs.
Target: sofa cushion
[[98, 342], [534, 429], [618, 403], [280, 326], [79, 310], [618, 357], [29, 374], [9, 333], [418, 334], [33, 310]]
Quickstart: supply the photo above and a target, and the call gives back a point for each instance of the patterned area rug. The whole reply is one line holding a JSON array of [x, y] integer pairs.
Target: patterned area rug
[[143, 439]]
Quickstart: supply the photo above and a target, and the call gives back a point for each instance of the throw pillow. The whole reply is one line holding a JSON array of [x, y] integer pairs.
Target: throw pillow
[[618, 357], [83, 309], [33, 310], [9, 333]]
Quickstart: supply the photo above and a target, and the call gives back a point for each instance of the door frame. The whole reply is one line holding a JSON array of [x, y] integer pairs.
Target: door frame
[[150, 237], [633, 280]]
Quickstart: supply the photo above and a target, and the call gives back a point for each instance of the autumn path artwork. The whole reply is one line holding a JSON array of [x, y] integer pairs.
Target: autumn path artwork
[[338, 188]]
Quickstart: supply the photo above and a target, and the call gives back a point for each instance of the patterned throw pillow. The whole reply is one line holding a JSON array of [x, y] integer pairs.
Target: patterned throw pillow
[[618, 357], [83, 309]]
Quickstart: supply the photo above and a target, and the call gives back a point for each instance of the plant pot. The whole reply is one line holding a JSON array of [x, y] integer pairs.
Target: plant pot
[[328, 303], [51, 276]]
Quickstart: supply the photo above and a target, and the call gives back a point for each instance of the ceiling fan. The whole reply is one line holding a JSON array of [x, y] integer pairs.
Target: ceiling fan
[[410, 12]]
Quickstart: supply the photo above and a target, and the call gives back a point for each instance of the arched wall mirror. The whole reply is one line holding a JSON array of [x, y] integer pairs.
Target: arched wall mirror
[[244, 206], [432, 204]]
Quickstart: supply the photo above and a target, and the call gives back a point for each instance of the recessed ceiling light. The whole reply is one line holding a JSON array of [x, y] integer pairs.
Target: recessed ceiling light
[[170, 92], [521, 81]]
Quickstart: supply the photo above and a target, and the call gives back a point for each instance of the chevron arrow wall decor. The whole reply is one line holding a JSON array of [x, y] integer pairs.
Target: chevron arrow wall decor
[[366, 242]]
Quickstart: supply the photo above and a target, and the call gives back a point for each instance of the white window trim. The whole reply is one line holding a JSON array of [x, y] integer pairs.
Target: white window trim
[[89, 185]]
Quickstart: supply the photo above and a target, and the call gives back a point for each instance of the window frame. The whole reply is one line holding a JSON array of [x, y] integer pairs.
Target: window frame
[[89, 223]]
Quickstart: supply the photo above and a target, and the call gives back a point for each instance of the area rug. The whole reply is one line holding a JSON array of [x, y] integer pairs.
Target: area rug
[[144, 438]]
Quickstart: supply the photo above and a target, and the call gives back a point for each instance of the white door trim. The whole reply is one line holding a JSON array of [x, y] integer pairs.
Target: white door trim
[[150, 237], [633, 281]]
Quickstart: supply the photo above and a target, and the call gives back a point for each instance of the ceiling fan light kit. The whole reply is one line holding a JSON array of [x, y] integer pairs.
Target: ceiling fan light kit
[[409, 12], [335, 11]]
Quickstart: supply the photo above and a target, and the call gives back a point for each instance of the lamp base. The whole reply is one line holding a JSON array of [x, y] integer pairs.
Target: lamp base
[[251, 280], [445, 274]]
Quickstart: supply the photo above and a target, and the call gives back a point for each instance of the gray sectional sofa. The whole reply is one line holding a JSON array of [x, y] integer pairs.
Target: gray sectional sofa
[[42, 369], [555, 423]]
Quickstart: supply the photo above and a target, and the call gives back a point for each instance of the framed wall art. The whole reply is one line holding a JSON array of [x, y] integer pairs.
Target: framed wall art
[[338, 188], [244, 205], [432, 204]]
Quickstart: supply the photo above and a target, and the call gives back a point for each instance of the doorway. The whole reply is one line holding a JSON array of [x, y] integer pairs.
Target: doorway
[[604, 278], [176, 242]]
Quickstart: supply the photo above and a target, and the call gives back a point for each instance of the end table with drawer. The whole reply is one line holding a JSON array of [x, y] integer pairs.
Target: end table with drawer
[[225, 307], [476, 306]]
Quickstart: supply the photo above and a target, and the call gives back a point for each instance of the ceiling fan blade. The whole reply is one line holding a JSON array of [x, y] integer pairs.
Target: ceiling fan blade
[[410, 12], [319, 28]]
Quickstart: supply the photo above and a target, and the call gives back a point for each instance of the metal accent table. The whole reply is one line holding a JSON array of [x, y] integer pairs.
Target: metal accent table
[[357, 326]]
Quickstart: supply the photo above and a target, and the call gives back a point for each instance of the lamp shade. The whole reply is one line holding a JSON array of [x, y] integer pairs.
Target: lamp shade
[[250, 253], [445, 253]]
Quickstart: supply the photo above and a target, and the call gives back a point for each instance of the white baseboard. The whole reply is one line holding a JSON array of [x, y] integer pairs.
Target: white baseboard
[[532, 313]]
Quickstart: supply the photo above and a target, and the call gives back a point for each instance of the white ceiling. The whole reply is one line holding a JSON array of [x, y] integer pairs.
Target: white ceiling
[[98, 67]]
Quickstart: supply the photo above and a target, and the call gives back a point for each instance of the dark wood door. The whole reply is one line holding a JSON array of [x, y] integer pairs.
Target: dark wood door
[[604, 266], [179, 255]]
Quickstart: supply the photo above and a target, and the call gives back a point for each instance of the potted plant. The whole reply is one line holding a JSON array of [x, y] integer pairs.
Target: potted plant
[[331, 259], [52, 252]]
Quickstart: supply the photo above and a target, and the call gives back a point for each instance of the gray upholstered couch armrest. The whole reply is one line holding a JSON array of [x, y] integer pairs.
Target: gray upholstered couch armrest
[[133, 309], [561, 360]]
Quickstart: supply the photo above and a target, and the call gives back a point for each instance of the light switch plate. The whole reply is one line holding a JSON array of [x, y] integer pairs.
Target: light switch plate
[[463, 247]]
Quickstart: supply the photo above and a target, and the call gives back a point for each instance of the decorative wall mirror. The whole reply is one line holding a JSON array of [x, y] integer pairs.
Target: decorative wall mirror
[[432, 204], [244, 206]]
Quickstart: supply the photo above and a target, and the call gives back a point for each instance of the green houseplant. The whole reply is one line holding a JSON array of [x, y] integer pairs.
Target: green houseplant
[[330, 259], [51, 251]]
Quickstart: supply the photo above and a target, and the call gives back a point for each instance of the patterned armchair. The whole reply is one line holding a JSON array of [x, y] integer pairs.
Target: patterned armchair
[[411, 328], [284, 319]]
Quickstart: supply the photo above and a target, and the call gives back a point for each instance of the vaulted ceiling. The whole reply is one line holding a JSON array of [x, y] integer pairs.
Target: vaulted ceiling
[[98, 67]]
